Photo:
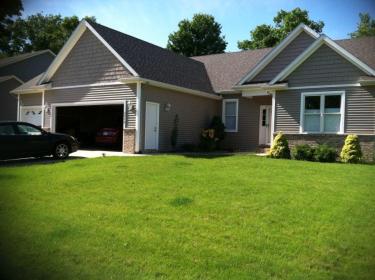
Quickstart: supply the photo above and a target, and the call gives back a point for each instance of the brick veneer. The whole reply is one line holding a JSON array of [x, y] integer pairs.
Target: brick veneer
[[129, 141], [367, 142]]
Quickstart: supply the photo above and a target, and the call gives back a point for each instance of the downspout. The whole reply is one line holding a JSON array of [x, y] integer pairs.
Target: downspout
[[18, 107], [42, 109], [138, 118]]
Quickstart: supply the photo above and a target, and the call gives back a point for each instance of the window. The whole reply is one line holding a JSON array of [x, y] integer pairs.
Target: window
[[230, 114], [24, 129], [6, 129], [322, 112]]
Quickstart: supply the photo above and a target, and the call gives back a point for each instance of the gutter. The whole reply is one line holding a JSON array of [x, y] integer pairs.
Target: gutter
[[135, 80], [261, 86]]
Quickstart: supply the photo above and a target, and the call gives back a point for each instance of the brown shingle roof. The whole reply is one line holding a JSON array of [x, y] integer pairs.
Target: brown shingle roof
[[362, 48], [156, 63], [226, 69]]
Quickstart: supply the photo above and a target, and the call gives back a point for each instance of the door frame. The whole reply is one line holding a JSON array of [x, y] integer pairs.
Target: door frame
[[270, 124], [157, 125]]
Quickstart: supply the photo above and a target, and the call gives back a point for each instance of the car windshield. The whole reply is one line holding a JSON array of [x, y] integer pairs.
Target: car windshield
[[24, 129], [6, 129]]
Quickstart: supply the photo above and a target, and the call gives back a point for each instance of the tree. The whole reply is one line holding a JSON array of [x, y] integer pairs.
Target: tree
[[200, 36], [39, 32], [9, 9], [365, 27], [264, 36]]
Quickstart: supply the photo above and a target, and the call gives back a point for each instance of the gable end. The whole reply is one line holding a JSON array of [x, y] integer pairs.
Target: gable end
[[89, 62]]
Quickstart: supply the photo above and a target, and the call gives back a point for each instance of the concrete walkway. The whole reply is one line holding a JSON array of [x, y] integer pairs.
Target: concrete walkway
[[96, 153]]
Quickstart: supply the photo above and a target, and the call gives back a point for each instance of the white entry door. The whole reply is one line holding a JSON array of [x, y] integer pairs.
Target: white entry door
[[152, 126], [31, 114], [265, 123]]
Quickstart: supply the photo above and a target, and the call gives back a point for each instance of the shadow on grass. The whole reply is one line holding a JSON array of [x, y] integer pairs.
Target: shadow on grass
[[34, 161]]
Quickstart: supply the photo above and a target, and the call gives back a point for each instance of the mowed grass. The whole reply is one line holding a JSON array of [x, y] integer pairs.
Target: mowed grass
[[176, 217]]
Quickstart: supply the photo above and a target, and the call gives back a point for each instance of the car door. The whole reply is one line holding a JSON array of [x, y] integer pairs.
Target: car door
[[34, 141], [8, 142]]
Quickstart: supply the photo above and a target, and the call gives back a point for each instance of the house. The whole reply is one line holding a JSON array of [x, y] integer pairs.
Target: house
[[312, 88], [14, 71]]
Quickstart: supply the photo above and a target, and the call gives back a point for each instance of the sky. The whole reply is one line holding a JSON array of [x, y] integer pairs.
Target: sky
[[154, 20]]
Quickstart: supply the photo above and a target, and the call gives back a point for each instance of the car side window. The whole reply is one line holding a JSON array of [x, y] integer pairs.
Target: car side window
[[7, 129], [24, 129]]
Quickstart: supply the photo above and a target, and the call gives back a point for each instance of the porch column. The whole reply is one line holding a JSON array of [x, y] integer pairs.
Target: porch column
[[138, 117], [273, 115]]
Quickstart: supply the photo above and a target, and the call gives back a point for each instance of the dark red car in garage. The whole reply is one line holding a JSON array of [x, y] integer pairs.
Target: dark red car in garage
[[108, 136]]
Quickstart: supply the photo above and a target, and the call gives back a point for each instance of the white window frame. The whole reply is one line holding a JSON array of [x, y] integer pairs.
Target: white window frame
[[223, 114], [322, 94]]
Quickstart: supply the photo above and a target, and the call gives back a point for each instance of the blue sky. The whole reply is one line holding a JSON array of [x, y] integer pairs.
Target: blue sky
[[153, 20]]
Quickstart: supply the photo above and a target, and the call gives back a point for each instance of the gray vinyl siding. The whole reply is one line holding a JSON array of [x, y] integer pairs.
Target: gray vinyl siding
[[194, 113], [247, 136], [359, 109], [324, 67], [8, 101], [28, 68], [91, 94], [31, 99], [295, 48], [89, 62]]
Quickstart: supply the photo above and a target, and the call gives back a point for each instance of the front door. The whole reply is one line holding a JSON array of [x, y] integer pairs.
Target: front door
[[152, 126], [265, 122]]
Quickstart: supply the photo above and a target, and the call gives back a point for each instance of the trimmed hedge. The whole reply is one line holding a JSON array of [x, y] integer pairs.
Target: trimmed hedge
[[325, 153], [303, 152]]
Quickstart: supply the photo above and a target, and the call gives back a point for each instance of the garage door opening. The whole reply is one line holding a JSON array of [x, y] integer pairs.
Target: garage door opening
[[95, 127]]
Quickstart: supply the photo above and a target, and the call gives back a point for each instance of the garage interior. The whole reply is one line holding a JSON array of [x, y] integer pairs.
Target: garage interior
[[85, 122]]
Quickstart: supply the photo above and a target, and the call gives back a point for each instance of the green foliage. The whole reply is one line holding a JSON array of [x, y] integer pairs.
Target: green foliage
[[200, 36], [351, 151], [219, 127], [365, 27], [303, 152], [280, 147], [264, 36], [325, 153], [174, 135], [39, 32], [9, 9], [211, 137]]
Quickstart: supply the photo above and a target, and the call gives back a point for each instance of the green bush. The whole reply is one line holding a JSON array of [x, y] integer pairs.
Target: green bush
[[325, 153], [303, 152], [280, 147], [351, 151], [211, 137], [174, 134]]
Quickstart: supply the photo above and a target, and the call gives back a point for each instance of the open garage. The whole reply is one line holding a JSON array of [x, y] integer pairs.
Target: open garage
[[95, 127]]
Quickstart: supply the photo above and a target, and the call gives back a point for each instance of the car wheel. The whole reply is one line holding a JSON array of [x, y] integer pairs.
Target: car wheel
[[61, 151]]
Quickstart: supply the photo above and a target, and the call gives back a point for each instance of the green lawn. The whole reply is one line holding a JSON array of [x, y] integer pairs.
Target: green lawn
[[176, 217]]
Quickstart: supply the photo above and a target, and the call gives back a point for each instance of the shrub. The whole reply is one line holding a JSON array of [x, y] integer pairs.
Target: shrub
[[303, 152], [325, 153], [280, 147], [351, 151], [211, 137]]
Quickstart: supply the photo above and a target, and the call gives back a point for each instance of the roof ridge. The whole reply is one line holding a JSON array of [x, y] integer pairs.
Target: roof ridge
[[229, 53]]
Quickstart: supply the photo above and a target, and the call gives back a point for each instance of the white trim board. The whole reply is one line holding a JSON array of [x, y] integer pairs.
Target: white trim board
[[6, 78], [314, 47], [77, 104], [277, 50], [68, 46], [171, 87]]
